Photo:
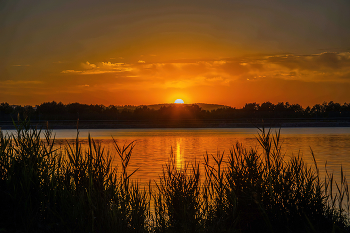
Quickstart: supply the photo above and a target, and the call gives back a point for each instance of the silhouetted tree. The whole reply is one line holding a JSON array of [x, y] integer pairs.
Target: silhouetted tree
[[73, 111]]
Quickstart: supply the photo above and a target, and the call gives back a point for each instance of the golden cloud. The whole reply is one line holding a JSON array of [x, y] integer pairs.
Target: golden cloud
[[87, 65], [223, 72], [100, 68]]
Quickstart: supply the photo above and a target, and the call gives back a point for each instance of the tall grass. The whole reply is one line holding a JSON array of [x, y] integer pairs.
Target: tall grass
[[266, 192], [177, 200], [43, 189], [251, 192]]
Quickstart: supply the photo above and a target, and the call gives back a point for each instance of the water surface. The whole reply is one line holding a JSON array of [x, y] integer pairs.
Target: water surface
[[154, 146]]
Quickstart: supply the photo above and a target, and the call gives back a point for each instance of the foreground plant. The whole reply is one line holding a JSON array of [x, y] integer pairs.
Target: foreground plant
[[177, 200], [266, 192], [43, 189]]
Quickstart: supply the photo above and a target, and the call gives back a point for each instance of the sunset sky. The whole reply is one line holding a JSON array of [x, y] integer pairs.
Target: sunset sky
[[147, 52]]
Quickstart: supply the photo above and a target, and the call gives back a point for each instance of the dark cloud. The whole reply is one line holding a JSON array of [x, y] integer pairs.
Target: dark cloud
[[316, 62]]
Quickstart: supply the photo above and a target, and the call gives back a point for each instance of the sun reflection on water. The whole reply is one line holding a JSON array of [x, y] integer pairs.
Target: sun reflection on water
[[179, 154], [154, 146]]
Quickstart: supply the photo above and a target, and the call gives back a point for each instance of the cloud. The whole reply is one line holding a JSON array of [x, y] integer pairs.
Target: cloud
[[322, 61], [87, 71], [322, 67], [20, 65], [71, 71], [314, 67], [87, 65], [100, 68], [113, 65]]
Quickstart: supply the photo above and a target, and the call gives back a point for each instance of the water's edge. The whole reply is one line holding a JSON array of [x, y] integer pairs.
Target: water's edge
[[100, 124]]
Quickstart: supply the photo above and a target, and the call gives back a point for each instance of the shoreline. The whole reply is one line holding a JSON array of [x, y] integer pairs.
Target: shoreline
[[100, 124]]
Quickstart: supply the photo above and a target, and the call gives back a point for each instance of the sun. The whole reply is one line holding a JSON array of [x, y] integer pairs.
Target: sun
[[179, 101]]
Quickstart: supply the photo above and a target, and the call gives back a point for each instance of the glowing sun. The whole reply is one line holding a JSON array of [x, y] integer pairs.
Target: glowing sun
[[179, 101]]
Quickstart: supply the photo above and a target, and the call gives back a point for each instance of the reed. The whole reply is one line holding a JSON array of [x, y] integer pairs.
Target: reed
[[46, 190], [266, 192], [177, 200], [43, 189]]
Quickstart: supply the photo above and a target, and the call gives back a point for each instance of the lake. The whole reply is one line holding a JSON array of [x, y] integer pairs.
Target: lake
[[154, 146]]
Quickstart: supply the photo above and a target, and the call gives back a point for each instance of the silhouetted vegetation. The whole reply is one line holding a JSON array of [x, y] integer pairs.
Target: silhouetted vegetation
[[48, 190], [74, 111], [43, 189]]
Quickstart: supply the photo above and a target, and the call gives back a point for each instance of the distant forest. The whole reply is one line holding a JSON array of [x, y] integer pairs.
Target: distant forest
[[74, 111]]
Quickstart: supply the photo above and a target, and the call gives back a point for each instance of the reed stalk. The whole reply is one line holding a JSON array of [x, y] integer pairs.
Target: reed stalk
[[43, 189]]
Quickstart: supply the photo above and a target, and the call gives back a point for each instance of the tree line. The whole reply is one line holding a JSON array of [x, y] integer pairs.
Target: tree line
[[59, 111]]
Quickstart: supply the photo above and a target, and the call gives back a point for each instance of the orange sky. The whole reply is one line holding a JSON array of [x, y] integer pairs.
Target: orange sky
[[148, 52]]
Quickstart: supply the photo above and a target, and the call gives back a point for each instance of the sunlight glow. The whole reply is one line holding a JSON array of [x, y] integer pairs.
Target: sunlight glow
[[179, 155], [179, 101]]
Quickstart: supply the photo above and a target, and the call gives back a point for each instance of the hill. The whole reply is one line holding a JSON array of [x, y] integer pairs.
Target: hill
[[203, 106]]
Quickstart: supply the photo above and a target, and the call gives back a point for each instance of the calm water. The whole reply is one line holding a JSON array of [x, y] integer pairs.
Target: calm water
[[154, 146]]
